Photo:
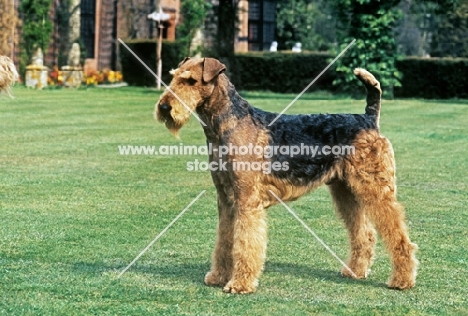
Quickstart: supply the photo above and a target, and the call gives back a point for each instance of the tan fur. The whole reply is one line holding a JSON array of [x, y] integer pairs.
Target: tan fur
[[362, 184], [8, 75], [370, 176]]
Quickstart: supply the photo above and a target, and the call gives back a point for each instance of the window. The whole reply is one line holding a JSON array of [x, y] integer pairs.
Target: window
[[87, 25], [262, 22]]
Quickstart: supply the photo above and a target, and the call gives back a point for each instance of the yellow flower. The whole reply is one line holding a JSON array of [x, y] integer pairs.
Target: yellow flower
[[111, 76], [90, 80], [118, 76]]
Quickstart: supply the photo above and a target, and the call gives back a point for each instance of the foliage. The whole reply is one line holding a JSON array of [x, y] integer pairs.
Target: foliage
[[8, 21], [65, 11], [292, 72], [440, 6], [221, 26], [106, 76], [289, 72], [37, 28], [306, 22], [193, 16], [371, 23], [433, 28], [413, 32], [135, 73], [283, 72], [451, 31], [227, 19], [91, 78], [433, 78]]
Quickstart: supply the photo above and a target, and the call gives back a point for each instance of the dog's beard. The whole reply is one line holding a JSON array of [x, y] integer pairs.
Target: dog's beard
[[173, 124], [173, 128]]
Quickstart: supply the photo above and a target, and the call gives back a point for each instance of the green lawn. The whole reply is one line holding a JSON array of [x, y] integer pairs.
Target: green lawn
[[74, 213]]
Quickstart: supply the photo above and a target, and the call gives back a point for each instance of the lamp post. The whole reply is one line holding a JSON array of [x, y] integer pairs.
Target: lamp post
[[159, 17]]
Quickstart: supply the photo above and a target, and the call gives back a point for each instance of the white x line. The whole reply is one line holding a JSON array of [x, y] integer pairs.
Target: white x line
[[313, 81], [162, 82], [160, 234], [313, 234]]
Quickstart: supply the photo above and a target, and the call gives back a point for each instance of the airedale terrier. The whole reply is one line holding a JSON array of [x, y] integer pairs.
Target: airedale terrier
[[362, 182], [8, 74]]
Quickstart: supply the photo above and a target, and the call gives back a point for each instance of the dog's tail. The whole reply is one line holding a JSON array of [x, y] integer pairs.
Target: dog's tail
[[373, 92]]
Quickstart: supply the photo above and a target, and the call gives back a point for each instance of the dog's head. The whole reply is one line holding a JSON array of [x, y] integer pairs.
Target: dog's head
[[192, 84]]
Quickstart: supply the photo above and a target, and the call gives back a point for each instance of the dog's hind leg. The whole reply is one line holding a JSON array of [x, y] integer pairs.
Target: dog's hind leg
[[371, 176], [389, 219], [361, 233]]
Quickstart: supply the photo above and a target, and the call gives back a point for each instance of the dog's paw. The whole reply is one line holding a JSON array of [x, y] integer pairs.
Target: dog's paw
[[215, 279], [400, 284], [354, 274], [240, 287]]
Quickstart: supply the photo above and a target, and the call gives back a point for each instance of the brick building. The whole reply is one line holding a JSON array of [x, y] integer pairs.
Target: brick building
[[257, 22], [102, 22], [97, 24]]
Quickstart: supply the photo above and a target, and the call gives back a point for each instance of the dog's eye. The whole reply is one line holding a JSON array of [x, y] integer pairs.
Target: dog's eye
[[191, 81]]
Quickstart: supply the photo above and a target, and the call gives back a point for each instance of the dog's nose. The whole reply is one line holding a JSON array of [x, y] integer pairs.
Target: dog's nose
[[165, 108]]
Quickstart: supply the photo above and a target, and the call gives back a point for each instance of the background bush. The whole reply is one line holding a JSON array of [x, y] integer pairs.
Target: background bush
[[284, 72], [135, 74], [434, 78], [431, 78]]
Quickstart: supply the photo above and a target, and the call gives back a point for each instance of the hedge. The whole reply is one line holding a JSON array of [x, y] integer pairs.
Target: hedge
[[433, 78], [135, 74], [284, 72], [429, 78]]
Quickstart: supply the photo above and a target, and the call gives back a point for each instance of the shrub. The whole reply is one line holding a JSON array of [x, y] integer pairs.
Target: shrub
[[36, 29], [290, 72], [135, 73], [433, 78], [371, 23], [57, 77], [284, 72]]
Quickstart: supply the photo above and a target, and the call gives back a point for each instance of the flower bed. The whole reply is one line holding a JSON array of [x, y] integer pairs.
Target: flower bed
[[91, 78]]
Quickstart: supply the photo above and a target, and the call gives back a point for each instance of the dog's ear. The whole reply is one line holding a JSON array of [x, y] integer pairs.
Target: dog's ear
[[211, 69], [183, 61]]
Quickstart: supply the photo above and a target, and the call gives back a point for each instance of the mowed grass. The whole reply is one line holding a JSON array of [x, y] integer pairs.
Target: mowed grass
[[74, 213]]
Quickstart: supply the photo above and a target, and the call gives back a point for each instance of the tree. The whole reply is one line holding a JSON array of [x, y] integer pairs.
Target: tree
[[37, 28], [64, 11], [449, 40], [8, 22], [220, 31], [414, 32], [227, 20], [307, 22], [371, 23], [438, 28], [193, 16]]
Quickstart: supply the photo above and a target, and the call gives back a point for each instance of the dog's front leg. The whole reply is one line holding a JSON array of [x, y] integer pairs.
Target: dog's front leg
[[221, 268], [249, 249]]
